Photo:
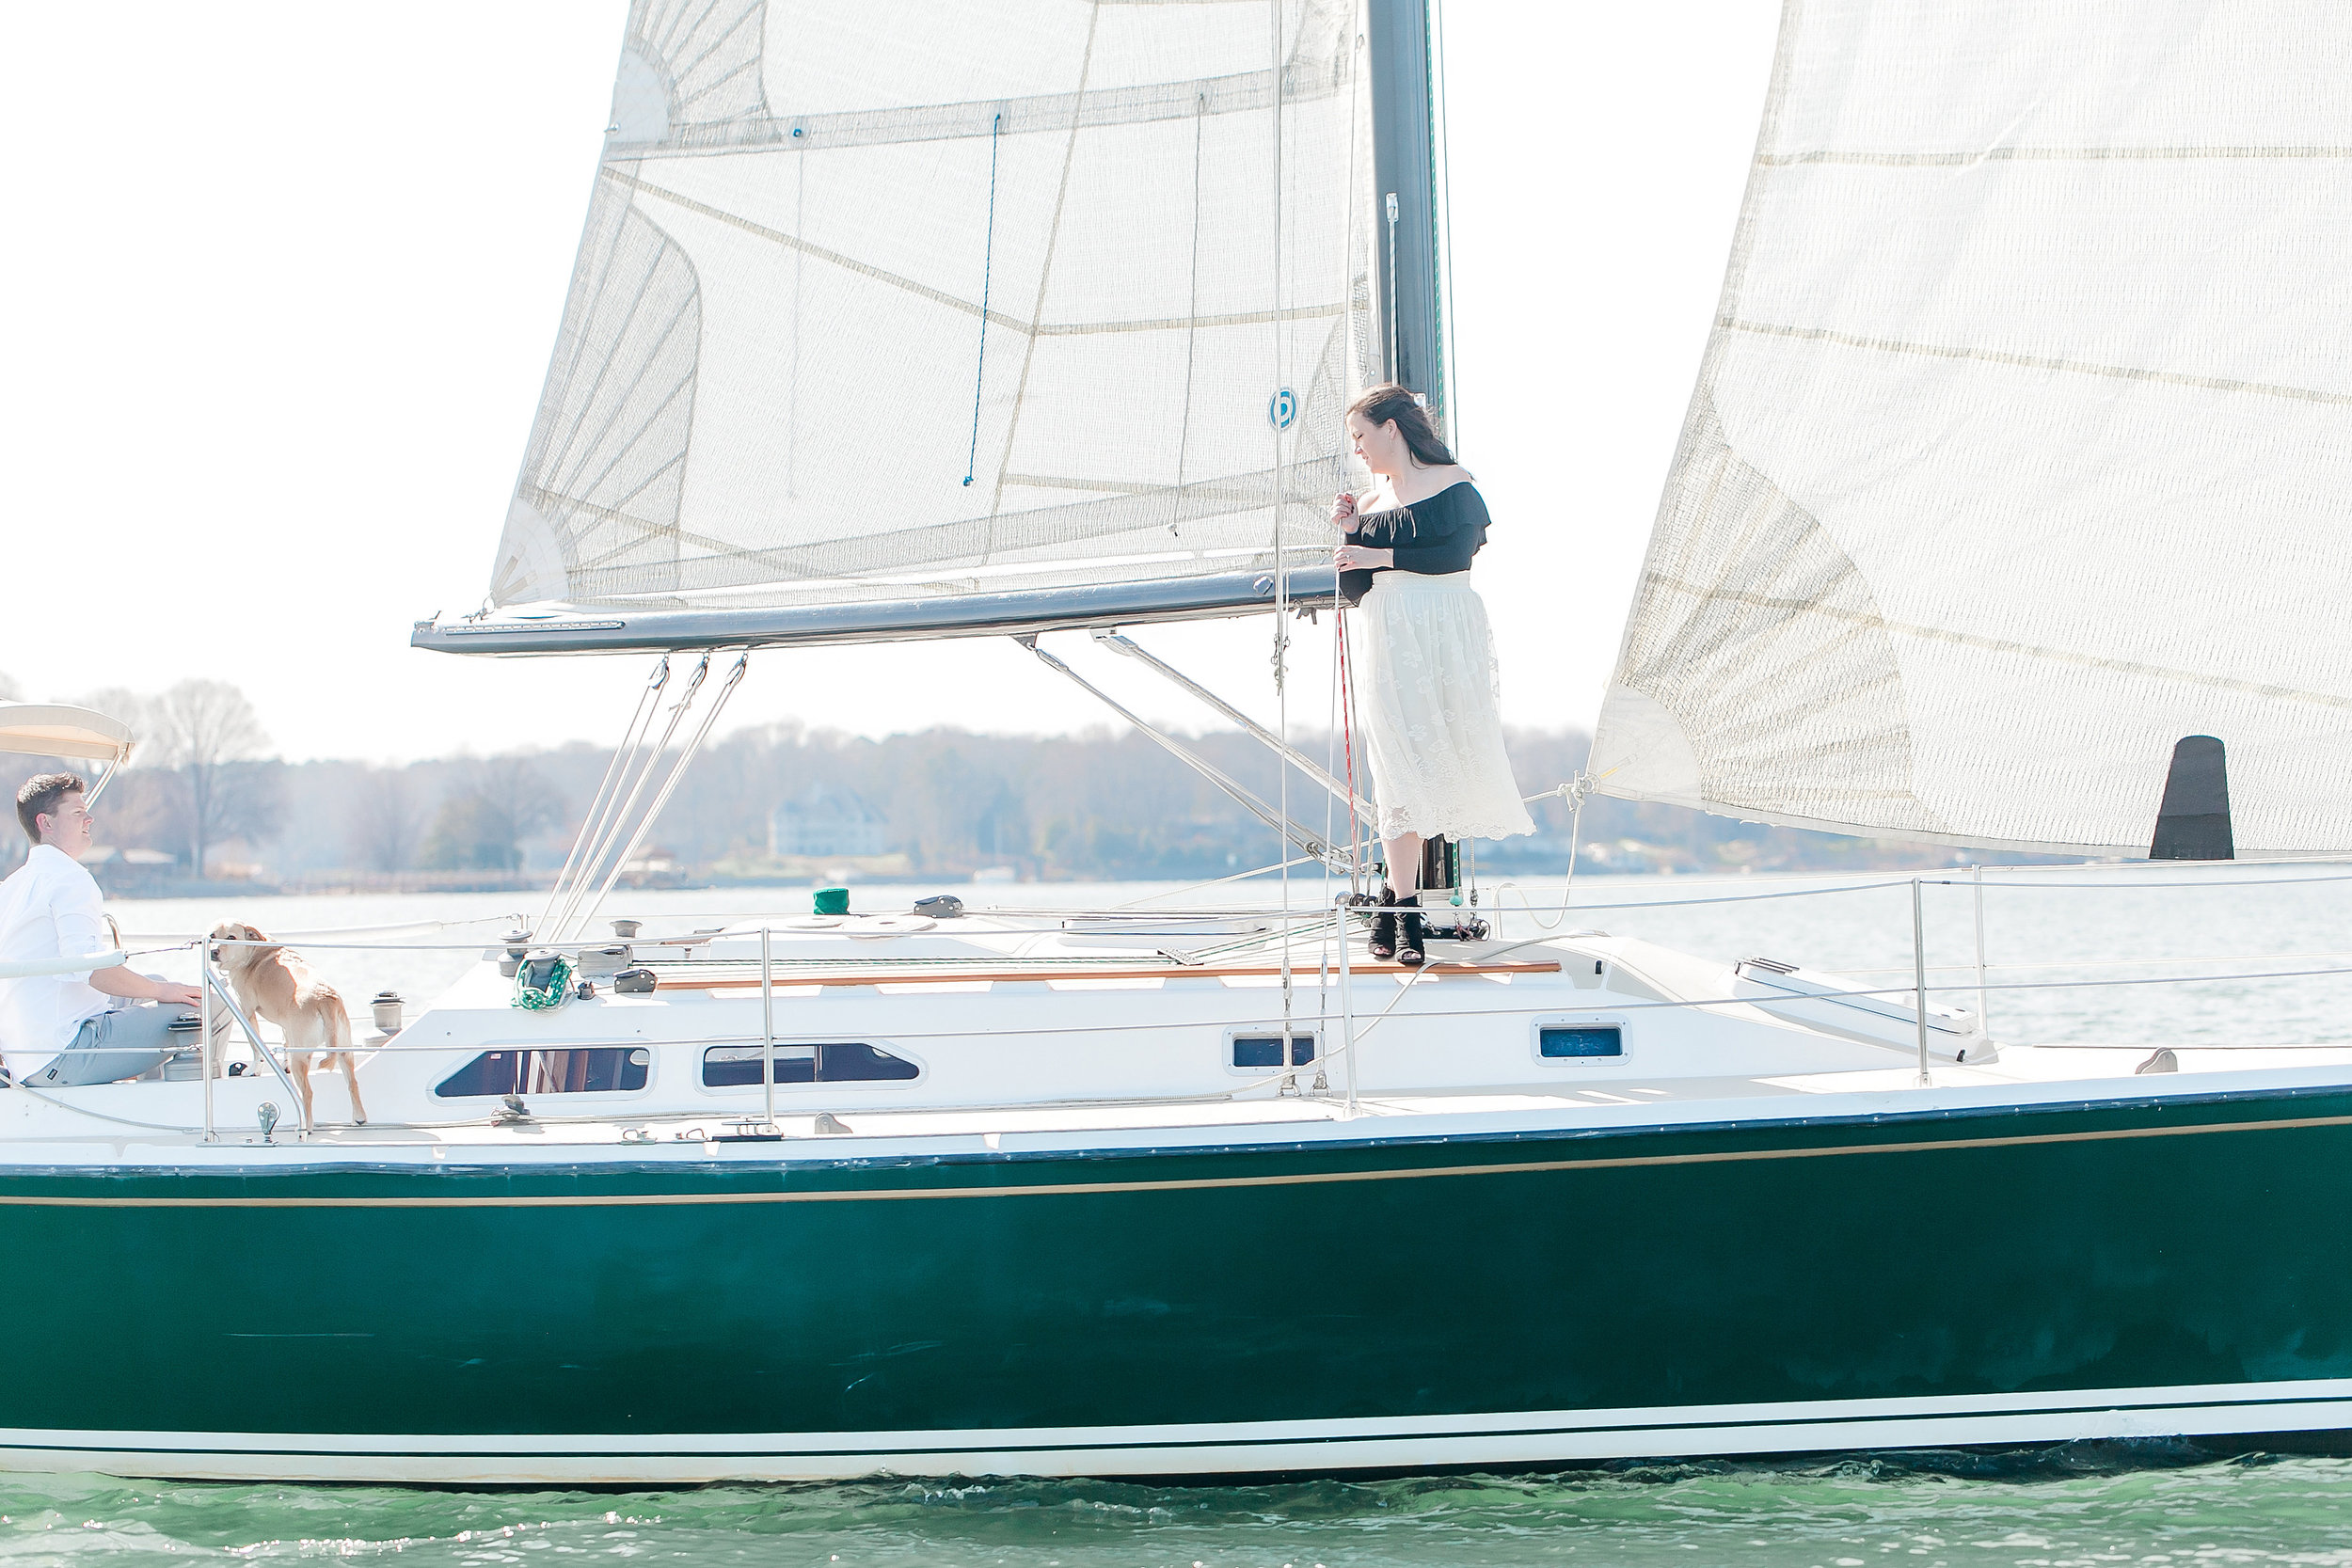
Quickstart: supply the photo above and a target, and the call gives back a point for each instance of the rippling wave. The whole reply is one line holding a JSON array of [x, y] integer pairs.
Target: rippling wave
[[2078, 1506]]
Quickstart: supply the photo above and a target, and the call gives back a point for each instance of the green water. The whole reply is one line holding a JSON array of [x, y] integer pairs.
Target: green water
[[2081, 1505]]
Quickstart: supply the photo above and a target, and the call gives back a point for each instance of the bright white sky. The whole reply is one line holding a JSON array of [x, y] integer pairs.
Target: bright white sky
[[282, 280]]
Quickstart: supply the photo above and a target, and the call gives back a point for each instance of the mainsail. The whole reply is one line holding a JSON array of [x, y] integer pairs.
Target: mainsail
[[907, 301], [2022, 446]]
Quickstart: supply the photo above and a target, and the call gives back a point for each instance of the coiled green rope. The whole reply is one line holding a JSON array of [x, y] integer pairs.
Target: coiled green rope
[[539, 999]]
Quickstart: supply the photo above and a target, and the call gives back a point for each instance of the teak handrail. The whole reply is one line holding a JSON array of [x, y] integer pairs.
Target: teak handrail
[[1161, 972]]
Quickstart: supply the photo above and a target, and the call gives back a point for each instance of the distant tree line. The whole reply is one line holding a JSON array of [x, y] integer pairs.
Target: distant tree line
[[199, 782], [1098, 805]]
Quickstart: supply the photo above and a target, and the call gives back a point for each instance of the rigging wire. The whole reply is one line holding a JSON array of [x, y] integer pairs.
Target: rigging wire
[[175, 939], [1138, 904], [617, 821], [1574, 792], [1052, 919], [608, 792], [987, 269], [1281, 412], [1356, 879], [1442, 382], [669, 786]]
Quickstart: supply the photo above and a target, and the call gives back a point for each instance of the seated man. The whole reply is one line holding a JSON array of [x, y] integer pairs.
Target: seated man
[[70, 1028]]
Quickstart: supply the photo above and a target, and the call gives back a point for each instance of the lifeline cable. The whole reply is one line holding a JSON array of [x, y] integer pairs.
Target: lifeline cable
[[1280, 405]]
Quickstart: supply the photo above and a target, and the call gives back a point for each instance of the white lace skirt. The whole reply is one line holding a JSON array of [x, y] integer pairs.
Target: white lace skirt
[[1432, 721]]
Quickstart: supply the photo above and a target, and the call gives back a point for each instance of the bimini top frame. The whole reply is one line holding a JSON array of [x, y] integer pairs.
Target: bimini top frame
[[73, 734], [527, 629]]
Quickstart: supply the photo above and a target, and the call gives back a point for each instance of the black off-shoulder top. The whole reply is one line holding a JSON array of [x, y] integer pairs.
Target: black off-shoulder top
[[1432, 536]]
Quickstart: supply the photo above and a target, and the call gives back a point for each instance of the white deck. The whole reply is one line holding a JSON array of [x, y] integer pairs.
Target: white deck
[[1021, 1041]]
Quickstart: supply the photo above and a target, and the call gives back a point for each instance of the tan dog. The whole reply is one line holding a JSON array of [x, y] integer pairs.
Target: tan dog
[[275, 985]]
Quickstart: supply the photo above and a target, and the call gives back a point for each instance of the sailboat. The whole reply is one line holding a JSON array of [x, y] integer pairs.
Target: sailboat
[[917, 322]]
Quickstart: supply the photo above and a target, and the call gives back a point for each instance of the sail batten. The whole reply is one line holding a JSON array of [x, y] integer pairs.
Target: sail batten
[[1244, 92], [2020, 446]]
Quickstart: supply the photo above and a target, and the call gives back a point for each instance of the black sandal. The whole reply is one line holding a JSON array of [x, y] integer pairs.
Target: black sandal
[[1412, 940], [1382, 945]]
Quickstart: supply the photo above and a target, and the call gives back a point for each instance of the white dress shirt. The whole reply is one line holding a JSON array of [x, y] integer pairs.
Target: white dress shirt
[[50, 909]]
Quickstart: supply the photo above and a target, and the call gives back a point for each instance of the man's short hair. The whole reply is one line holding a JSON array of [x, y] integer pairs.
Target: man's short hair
[[38, 796]]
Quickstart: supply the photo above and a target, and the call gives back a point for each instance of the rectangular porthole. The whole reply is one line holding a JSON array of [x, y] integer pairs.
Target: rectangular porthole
[[1265, 1051], [1577, 1041], [583, 1070], [833, 1062]]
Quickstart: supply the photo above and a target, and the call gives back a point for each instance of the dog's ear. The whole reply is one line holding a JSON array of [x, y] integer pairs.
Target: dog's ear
[[253, 933]]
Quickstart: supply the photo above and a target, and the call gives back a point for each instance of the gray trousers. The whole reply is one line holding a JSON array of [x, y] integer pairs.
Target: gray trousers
[[121, 1043]]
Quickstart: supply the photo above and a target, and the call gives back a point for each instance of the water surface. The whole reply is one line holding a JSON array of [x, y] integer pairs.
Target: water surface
[[2073, 1506]]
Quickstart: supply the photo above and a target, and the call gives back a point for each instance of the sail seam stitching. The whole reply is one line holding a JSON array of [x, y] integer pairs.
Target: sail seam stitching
[[2033, 361], [561, 450], [586, 453], [1044, 276], [2046, 154], [1992, 644], [939, 296]]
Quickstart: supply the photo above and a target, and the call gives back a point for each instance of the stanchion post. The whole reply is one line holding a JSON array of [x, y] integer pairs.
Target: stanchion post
[[1984, 1026], [768, 1028], [204, 1023], [1919, 974], [1348, 999]]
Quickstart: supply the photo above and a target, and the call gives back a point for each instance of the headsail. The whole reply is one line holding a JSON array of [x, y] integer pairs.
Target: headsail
[[2023, 447], [907, 301]]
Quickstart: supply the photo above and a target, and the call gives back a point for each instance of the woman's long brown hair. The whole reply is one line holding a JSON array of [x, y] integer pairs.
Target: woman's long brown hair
[[1389, 402]]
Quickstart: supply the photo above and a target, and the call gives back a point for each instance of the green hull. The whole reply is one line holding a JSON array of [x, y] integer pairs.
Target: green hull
[[1314, 1306]]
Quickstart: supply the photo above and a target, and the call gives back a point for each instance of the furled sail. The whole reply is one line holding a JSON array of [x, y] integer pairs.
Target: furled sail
[[2022, 446], [907, 300]]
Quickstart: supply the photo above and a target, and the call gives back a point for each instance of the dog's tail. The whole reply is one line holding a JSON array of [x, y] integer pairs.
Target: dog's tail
[[338, 1025]]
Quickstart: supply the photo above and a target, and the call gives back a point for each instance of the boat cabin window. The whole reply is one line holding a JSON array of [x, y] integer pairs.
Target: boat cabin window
[[589, 1069], [1266, 1050], [1581, 1040], [832, 1062]]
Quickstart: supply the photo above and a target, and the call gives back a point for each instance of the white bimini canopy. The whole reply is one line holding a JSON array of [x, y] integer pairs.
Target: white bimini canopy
[[57, 730]]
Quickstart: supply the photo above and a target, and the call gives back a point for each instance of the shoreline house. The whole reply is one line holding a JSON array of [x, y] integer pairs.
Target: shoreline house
[[132, 871], [823, 823]]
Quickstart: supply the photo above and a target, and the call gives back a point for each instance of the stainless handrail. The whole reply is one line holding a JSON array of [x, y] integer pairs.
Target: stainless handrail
[[204, 1016], [260, 1047]]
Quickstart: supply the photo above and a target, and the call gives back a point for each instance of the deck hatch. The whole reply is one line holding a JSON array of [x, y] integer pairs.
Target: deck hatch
[[1563, 1041]]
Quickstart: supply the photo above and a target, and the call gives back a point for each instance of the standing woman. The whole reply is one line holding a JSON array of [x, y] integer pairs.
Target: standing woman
[[1433, 724]]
